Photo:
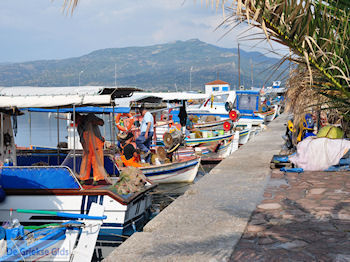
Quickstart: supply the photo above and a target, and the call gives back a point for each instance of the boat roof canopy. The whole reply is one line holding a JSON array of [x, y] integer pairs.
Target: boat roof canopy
[[122, 105], [48, 97], [176, 96]]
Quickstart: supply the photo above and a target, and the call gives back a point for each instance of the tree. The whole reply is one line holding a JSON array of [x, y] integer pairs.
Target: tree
[[70, 5], [318, 34]]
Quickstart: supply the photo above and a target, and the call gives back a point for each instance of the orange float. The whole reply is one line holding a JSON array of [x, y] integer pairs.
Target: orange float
[[124, 121]]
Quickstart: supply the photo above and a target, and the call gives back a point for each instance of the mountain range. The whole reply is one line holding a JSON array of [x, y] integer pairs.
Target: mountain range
[[177, 65]]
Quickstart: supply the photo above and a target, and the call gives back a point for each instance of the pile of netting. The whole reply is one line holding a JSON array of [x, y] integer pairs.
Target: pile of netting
[[131, 180]]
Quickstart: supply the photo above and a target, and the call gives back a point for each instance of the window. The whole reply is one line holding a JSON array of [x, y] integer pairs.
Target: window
[[221, 98], [247, 102], [215, 88], [225, 88]]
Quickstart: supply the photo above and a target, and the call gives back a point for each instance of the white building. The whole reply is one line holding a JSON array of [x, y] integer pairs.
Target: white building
[[216, 86]]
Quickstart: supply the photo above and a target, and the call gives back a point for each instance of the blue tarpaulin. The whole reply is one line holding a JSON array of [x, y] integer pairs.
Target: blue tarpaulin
[[38, 178]]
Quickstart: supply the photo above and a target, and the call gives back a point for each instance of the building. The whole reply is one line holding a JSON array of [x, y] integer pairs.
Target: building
[[216, 86]]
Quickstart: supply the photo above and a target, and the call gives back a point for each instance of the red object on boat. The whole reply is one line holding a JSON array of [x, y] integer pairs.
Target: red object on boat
[[233, 115], [227, 126]]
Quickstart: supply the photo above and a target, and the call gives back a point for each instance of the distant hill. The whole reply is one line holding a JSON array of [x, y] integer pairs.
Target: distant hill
[[157, 67]]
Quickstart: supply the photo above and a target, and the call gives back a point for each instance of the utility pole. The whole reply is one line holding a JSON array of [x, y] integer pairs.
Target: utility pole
[[239, 68]]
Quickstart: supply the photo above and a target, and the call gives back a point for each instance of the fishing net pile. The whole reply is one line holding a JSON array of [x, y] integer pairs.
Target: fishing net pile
[[131, 180]]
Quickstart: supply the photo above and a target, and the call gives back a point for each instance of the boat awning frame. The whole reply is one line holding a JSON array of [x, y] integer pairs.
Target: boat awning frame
[[53, 97]]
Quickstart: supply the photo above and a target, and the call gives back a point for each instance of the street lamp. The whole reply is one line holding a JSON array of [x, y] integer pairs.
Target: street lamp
[[79, 75], [191, 78]]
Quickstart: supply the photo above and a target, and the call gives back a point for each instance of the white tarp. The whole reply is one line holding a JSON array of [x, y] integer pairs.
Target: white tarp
[[316, 154], [23, 97], [177, 95], [50, 91], [137, 97]]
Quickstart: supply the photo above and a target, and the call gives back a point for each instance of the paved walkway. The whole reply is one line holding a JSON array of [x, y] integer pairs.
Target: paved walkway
[[208, 220], [304, 217]]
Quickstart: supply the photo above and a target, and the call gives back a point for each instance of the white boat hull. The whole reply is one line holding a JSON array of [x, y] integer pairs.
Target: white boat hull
[[182, 172], [244, 136], [119, 216]]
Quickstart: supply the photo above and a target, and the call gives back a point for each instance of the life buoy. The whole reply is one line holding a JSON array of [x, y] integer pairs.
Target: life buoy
[[227, 126], [164, 117], [125, 123], [233, 115]]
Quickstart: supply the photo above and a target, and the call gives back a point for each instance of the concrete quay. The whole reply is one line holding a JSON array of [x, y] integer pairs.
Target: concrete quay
[[207, 221], [304, 217]]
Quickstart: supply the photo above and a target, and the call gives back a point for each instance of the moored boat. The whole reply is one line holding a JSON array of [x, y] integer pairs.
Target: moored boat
[[55, 187]]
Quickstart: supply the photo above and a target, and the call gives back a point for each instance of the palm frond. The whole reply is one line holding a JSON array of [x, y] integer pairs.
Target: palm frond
[[317, 32]]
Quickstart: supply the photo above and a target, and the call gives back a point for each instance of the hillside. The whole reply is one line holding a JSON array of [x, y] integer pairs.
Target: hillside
[[157, 67]]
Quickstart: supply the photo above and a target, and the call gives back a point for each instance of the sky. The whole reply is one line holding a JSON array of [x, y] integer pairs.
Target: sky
[[40, 30]]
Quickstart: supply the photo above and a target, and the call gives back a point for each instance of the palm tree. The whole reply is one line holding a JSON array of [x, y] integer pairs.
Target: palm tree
[[70, 5], [318, 34]]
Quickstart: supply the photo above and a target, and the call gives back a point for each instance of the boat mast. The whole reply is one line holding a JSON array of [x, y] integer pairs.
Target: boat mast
[[115, 74], [251, 71], [239, 67]]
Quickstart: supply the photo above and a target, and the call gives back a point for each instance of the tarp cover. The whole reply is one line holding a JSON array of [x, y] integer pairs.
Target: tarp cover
[[316, 154], [26, 96], [172, 96], [51, 97], [38, 178]]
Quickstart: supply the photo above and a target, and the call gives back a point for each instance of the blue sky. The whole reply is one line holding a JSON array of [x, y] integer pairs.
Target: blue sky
[[38, 29]]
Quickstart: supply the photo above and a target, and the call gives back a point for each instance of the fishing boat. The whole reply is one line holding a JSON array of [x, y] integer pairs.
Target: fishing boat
[[182, 170], [208, 138], [244, 136], [214, 148], [73, 240], [268, 115], [217, 107], [56, 188]]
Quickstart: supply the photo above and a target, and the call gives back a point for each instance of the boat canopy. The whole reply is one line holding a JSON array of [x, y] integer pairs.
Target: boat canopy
[[122, 105], [177, 96], [46, 97]]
